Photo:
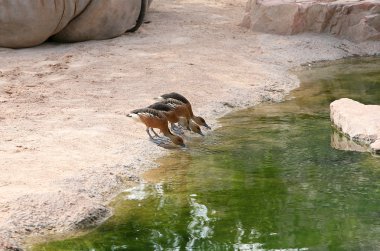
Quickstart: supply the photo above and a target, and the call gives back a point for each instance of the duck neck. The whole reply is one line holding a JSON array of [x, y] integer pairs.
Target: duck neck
[[190, 110], [167, 133], [170, 135], [192, 125]]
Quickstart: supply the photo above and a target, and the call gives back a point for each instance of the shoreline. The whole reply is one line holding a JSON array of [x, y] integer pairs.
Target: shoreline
[[149, 175], [68, 148]]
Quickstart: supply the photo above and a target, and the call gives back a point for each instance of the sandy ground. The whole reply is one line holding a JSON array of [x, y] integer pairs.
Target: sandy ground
[[66, 146]]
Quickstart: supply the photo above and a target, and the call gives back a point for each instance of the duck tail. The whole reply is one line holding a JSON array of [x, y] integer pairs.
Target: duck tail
[[134, 116]]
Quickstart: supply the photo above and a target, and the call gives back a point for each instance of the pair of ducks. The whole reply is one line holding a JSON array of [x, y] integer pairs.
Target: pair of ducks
[[173, 108]]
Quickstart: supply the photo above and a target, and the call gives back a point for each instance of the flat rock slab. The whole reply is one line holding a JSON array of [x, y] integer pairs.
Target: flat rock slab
[[359, 122], [355, 20]]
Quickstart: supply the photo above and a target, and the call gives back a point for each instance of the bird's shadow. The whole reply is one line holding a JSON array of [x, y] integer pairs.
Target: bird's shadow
[[164, 143]]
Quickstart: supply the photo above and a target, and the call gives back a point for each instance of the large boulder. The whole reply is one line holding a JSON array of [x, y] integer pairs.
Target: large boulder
[[355, 20], [28, 23], [359, 122]]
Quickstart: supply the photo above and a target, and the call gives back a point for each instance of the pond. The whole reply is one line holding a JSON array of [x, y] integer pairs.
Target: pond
[[268, 179]]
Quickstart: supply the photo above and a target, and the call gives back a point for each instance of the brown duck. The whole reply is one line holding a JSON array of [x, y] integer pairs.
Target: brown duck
[[197, 119], [155, 119]]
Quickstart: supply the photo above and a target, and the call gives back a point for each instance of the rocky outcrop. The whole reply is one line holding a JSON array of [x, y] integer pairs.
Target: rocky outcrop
[[29, 23], [355, 20], [359, 122]]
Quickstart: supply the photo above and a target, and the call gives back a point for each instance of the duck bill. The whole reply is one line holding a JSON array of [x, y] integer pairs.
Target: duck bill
[[207, 126]]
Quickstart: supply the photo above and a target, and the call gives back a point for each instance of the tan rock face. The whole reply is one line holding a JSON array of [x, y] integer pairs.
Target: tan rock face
[[359, 122], [355, 20]]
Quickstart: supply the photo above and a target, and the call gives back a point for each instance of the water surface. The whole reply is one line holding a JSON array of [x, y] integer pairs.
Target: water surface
[[267, 180]]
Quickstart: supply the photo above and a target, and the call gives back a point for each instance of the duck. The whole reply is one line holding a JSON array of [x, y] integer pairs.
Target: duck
[[182, 111], [176, 96], [152, 118], [174, 113], [167, 110]]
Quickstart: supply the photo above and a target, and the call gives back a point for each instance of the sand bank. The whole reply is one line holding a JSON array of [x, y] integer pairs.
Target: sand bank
[[66, 146]]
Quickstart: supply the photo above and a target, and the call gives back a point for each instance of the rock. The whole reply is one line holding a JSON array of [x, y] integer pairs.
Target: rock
[[341, 142], [375, 146], [29, 23], [359, 122], [355, 20]]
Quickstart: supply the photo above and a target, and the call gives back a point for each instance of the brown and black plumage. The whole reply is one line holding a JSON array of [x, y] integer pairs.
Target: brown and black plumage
[[176, 96], [182, 111], [167, 110], [174, 110], [155, 119]]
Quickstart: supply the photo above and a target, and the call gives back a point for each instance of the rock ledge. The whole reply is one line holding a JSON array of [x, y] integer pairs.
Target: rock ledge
[[355, 20]]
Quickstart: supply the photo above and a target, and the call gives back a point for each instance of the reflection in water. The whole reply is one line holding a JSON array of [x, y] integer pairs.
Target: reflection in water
[[199, 226], [136, 193], [267, 180]]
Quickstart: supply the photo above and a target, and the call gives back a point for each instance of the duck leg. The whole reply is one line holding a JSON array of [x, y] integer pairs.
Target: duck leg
[[184, 123], [147, 131], [158, 139], [155, 132]]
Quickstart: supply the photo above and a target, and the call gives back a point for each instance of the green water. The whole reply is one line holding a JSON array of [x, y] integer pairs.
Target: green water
[[267, 180]]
